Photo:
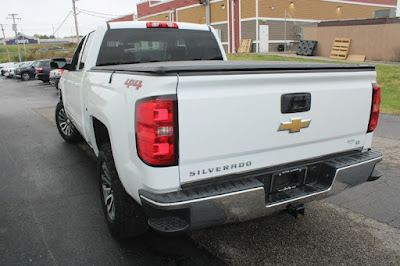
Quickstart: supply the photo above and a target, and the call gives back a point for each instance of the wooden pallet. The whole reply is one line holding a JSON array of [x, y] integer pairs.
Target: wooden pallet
[[340, 48], [356, 58], [245, 46]]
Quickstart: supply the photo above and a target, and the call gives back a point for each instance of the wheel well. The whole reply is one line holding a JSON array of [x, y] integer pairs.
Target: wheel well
[[100, 133]]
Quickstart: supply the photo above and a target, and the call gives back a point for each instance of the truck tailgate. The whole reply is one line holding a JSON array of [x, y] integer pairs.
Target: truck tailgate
[[230, 123]]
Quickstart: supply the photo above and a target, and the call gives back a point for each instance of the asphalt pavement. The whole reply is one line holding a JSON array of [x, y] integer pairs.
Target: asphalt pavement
[[50, 212]]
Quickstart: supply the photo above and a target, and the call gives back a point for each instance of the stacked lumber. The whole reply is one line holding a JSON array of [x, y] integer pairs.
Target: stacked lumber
[[340, 48], [245, 46]]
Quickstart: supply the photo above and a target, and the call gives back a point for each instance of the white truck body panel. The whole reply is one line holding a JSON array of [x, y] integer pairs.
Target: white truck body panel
[[225, 121], [114, 105]]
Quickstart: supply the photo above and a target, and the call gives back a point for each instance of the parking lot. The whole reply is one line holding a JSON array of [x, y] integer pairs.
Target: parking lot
[[51, 212]]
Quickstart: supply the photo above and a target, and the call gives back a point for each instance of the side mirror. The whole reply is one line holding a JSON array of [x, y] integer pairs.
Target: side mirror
[[66, 67], [81, 65]]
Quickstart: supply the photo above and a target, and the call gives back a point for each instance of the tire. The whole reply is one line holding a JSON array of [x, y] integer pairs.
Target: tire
[[65, 127], [125, 217], [25, 76]]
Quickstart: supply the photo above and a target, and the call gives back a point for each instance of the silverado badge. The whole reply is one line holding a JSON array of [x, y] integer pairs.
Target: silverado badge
[[294, 125]]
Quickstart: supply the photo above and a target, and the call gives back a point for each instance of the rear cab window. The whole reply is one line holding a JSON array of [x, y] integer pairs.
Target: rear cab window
[[60, 62], [128, 46], [44, 64]]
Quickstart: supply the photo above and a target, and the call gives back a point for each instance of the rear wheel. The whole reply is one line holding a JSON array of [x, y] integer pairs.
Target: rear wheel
[[25, 76], [125, 217], [65, 127]]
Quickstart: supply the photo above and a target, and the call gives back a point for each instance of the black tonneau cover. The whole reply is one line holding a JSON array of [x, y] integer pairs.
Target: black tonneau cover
[[234, 67]]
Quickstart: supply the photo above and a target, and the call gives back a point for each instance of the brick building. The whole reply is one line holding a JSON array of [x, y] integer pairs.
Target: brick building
[[268, 23]]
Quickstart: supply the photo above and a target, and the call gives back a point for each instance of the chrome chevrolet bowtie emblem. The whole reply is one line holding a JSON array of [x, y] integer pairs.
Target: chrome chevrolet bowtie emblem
[[294, 125]]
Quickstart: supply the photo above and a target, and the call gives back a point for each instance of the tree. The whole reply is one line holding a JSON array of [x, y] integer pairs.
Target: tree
[[41, 36]]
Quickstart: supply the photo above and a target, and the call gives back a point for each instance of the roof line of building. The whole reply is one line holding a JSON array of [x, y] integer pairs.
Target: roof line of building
[[130, 14], [358, 3], [145, 1]]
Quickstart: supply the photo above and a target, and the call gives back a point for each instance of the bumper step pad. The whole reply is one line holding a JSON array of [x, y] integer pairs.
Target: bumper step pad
[[168, 224]]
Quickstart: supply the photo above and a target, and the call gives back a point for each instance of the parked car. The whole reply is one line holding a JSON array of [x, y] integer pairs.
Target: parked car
[[55, 76], [56, 48], [43, 69], [4, 66], [27, 71], [183, 144], [11, 70]]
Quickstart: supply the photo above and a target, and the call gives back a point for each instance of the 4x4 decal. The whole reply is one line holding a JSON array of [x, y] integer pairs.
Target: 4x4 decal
[[133, 82]]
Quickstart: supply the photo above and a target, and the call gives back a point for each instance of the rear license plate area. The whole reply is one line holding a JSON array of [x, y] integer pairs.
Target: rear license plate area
[[288, 180], [289, 184]]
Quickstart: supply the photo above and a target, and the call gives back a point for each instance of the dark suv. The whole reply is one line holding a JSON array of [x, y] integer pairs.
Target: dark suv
[[26, 72], [43, 68]]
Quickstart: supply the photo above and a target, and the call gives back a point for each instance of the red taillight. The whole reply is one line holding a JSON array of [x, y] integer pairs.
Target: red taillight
[[156, 131], [162, 25], [376, 101], [38, 70]]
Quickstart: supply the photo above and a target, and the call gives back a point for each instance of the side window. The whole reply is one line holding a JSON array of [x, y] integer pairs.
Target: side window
[[86, 50], [61, 63], [76, 55]]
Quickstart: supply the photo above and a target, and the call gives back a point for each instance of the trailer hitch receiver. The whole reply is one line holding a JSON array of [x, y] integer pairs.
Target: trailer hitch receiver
[[296, 210]]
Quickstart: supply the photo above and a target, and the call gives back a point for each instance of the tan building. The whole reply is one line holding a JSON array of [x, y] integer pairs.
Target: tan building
[[378, 39], [268, 23]]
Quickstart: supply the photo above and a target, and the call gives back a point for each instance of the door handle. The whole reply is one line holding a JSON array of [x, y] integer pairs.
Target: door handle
[[295, 103]]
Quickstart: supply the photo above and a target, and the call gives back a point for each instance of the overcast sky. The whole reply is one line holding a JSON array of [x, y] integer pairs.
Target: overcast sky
[[40, 16]]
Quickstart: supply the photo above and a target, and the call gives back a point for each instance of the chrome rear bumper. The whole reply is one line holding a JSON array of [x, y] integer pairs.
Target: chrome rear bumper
[[250, 196]]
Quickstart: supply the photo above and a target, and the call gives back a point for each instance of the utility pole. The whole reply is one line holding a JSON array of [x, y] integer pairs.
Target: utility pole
[[14, 26], [206, 3], [208, 11], [284, 47], [5, 43], [76, 20]]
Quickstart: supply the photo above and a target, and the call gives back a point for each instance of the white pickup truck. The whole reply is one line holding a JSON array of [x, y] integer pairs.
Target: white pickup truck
[[186, 139]]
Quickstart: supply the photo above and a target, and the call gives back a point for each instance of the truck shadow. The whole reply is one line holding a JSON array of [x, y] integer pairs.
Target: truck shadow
[[177, 249]]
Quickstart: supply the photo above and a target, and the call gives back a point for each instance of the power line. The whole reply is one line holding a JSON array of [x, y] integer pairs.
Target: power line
[[62, 23], [97, 16], [99, 13]]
